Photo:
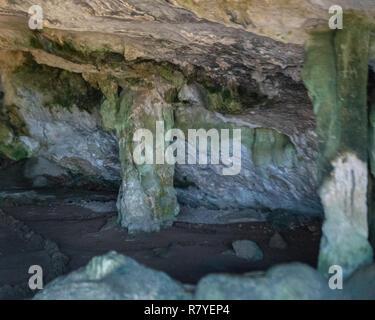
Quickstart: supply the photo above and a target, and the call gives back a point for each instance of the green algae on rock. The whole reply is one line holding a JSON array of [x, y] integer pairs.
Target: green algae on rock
[[62, 88], [335, 74], [12, 129], [147, 199], [116, 277], [272, 166], [11, 146]]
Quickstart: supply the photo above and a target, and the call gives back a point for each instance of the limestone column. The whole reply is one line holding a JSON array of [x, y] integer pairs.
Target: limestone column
[[147, 198], [336, 74]]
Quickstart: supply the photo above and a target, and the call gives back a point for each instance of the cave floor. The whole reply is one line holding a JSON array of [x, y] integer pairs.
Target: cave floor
[[185, 251]]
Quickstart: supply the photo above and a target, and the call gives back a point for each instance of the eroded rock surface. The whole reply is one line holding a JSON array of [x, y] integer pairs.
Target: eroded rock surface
[[54, 114], [71, 140], [75, 92], [283, 282], [278, 161], [114, 277], [248, 250], [147, 198], [340, 101]]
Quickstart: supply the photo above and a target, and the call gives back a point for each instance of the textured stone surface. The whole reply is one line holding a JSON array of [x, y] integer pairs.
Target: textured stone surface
[[138, 37], [344, 197], [55, 124], [371, 106], [147, 30], [73, 94], [336, 76], [279, 156], [113, 277], [284, 282], [147, 199], [278, 161], [38, 168], [235, 65], [183, 32], [286, 21], [248, 250]]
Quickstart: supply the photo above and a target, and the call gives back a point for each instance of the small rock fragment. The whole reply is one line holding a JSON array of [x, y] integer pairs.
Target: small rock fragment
[[248, 250]]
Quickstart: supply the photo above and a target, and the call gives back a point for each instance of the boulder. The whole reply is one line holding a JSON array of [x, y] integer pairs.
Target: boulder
[[113, 277], [248, 250], [293, 281]]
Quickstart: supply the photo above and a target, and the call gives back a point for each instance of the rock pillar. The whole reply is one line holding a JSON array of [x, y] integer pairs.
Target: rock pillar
[[336, 74], [147, 198]]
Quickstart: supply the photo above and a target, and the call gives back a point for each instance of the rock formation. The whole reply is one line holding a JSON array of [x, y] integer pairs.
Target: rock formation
[[100, 280], [92, 90], [116, 277], [74, 93], [340, 102]]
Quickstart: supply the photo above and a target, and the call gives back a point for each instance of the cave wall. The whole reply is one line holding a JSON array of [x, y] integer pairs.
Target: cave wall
[[110, 59], [278, 169], [77, 129], [53, 117]]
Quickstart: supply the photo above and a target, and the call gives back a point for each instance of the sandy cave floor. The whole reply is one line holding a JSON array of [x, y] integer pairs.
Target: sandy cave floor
[[185, 251]]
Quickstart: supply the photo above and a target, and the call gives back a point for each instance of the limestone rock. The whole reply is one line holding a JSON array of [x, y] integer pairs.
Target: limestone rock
[[39, 169], [147, 199], [61, 127], [278, 162], [283, 282], [283, 20], [341, 61], [279, 169], [248, 250], [65, 93], [193, 93], [345, 216], [195, 42], [210, 35], [113, 277]]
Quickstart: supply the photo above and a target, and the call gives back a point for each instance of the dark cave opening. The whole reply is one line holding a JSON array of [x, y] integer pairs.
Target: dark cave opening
[[74, 201], [41, 203], [81, 221]]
